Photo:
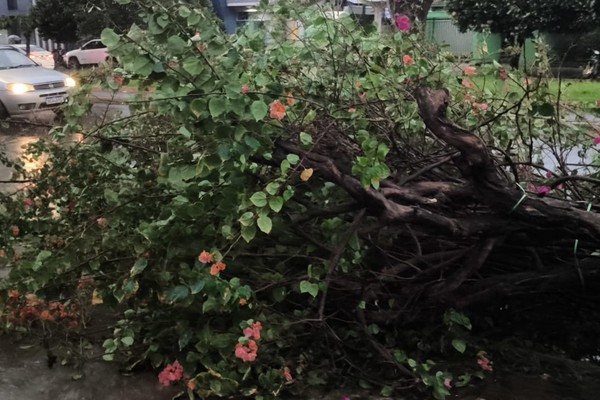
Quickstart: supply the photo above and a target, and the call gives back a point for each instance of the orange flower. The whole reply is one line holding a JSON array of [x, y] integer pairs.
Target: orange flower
[[205, 257], [469, 71], [277, 110], [358, 84], [243, 302], [46, 316], [216, 268], [290, 99], [408, 60], [191, 385]]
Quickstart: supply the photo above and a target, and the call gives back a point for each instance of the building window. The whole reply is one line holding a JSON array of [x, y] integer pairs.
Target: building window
[[12, 5]]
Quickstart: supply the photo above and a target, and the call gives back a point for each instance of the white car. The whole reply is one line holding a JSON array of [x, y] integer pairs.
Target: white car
[[26, 87], [41, 56], [93, 52]]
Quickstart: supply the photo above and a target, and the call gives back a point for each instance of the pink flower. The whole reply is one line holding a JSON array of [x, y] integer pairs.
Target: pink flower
[[503, 74], [598, 103], [352, 110], [171, 373], [256, 328], [28, 202], [246, 354], [403, 23], [248, 332], [245, 89], [469, 71], [448, 383], [543, 190], [102, 222], [346, 398], [205, 257], [549, 174], [408, 60], [484, 363], [597, 140], [287, 375], [468, 84], [483, 106]]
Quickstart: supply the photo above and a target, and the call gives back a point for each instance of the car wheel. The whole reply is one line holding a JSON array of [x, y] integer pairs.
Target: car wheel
[[3, 113], [74, 63]]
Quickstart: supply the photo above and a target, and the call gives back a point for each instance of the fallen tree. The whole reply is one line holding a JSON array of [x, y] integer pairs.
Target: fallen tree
[[356, 195]]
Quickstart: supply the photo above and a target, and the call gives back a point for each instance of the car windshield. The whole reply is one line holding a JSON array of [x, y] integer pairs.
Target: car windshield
[[13, 59]]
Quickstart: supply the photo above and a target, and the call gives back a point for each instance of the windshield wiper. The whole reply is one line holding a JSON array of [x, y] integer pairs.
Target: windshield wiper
[[20, 66]]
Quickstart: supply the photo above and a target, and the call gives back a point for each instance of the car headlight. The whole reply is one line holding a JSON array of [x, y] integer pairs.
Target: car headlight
[[20, 88], [70, 82]]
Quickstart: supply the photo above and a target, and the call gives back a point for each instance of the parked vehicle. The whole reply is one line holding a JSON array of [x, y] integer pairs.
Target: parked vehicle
[[93, 52], [591, 69], [26, 87], [41, 56]]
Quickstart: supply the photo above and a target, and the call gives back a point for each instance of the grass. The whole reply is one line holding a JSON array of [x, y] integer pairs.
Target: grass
[[583, 93]]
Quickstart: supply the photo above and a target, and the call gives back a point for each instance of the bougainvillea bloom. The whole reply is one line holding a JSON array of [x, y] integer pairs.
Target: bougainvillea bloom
[[403, 23], [205, 257], [28, 202], [245, 88], [469, 71], [352, 110], [503, 74], [548, 174], [408, 60], [290, 99], [543, 190], [468, 84], [243, 302], [448, 383], [191, 385], [246, 354], [101, 222], [216, 268], [171, 373], [277, 110], [484, 363], [597, 140], [287, 375]]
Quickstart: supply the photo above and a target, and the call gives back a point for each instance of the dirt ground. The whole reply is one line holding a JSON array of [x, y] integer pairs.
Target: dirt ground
[[24, 375]]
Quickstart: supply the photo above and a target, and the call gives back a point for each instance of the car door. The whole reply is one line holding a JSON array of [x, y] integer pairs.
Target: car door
[[97, 53]]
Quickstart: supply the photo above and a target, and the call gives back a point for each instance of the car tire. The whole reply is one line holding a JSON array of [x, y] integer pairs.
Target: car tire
[[3, 113], [74, 63]]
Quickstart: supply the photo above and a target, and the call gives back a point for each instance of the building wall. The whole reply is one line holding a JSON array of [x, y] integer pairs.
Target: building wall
[[22, 7]]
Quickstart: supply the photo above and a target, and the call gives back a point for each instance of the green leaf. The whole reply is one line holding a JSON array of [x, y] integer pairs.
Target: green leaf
[[459, 345], [276, 203], [399, 356], [198, 107], [111, 197], [247, 219], [184, 12], [272, 188], [210, 304], [178, 293], [305, 138], [109, 37], [259, 199], [197, 285], [310, 288], [293, 158], [176, 44], [127, 341], [259, 110], [248, 232], [264, 224], [193, 66], [40, 259], [139, 266], [217, 106]]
